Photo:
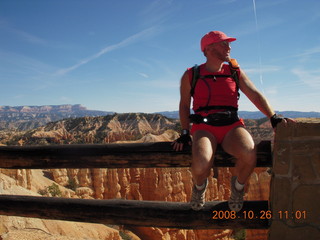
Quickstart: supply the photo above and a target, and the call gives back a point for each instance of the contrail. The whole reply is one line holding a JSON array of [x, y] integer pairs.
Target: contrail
[[123, 43], [259, 44]]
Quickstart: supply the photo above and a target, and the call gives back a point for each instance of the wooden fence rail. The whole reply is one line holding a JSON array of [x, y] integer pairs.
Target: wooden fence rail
[[214, 215], [126, 212], [131, 155]]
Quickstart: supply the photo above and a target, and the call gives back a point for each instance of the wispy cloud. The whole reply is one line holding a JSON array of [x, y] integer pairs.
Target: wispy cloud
[[65, 99], [143, 75], [158, 12], [263, 69], [310, 78], [273, 90], [225, 1], [22, 35], [309, 52], [29, 37], [128, 41], [303, 56], [22, 66]]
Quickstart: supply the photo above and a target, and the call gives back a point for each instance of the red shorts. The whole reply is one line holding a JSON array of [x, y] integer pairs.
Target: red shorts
[[218, 132]]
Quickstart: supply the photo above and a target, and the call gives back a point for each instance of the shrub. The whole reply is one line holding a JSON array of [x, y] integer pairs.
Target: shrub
[[124, 236], [54, 190], [72, 184], [240, 234], [43, 192]]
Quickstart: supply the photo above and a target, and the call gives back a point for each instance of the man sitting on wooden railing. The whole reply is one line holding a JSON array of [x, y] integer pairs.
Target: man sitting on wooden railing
[[214, 87]]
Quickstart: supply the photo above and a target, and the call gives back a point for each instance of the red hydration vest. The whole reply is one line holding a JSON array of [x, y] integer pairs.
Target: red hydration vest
[[214, 90]]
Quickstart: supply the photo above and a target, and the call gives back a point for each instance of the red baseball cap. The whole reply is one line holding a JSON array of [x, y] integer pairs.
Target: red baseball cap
[[214, 37]]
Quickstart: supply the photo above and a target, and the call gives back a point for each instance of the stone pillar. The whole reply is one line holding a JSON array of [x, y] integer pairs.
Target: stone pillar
[[295, 186]]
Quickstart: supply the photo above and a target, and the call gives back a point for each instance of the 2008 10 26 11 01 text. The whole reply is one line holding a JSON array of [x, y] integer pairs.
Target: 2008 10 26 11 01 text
[[263, 214]]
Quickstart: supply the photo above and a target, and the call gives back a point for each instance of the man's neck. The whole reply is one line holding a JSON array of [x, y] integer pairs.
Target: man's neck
[[214, 66]]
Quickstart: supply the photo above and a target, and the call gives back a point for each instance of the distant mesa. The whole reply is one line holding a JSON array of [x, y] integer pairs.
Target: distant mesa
[[28, 117], [24, 118], [45, 108]]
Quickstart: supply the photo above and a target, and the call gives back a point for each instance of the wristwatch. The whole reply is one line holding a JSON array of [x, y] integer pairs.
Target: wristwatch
[[185, 132]]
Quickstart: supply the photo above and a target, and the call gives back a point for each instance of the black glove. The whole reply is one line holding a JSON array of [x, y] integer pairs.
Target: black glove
[[184, 137], [275, 119]]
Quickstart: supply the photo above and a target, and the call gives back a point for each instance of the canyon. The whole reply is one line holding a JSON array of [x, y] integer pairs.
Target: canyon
[[161, 184]]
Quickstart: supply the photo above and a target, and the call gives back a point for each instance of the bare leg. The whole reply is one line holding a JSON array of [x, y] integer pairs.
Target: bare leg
[[239, 143], [203, 150]]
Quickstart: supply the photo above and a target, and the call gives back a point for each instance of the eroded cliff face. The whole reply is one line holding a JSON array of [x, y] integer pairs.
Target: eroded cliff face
[[155, 184], [114, 128], [104, 129], [13, 228], [161, 184]]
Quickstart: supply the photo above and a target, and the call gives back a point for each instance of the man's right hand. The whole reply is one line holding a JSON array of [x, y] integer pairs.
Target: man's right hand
[[183, 140]]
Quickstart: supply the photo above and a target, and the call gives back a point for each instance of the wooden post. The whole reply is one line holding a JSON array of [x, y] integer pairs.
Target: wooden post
[[131, 155], [214, 215]]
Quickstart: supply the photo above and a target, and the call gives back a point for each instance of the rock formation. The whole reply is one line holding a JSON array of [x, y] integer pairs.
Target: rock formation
[[13, 228], [162, 184]]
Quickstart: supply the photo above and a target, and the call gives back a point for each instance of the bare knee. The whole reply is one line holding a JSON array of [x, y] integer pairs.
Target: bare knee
[[200, 167], [203, 149], [248, 155], [202, 159], [200, 171], [239, 143]]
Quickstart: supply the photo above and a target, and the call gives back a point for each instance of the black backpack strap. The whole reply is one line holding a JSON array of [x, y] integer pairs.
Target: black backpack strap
[[195, 76]]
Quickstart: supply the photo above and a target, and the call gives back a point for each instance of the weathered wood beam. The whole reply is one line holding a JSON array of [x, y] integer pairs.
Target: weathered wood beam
[[131, 155], [137, 213]]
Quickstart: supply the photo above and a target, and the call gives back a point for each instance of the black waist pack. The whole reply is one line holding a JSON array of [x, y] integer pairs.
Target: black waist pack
[[216, 119]]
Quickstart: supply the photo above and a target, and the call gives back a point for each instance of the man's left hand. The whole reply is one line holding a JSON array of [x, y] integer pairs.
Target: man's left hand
[[275, 119]]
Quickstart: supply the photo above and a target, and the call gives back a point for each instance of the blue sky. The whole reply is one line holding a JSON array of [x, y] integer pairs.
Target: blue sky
[[129, 56]]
